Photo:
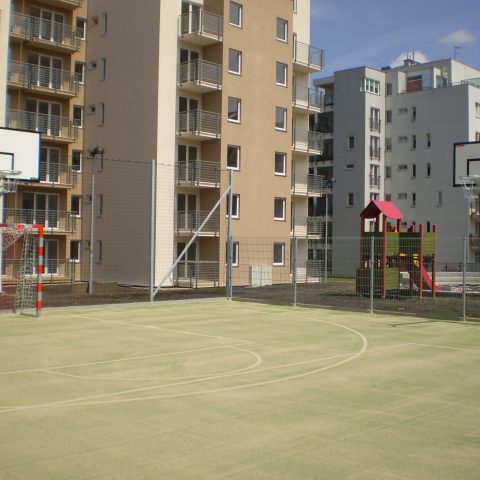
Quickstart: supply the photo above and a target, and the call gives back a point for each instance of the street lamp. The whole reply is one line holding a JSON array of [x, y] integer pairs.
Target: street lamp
[[96, 151], [329, 182]]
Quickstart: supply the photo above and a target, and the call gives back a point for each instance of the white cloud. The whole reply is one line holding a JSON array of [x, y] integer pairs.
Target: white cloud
[[419, 57], [458, 37]]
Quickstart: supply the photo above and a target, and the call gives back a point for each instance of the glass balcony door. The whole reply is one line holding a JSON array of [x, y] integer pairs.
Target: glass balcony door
[[51, 257], [186, 207], [49, 25], [187, 157], [189, 65], [40, 209], [45, 71], [186, 268], [50, 165], [189, 106], [45, 117]]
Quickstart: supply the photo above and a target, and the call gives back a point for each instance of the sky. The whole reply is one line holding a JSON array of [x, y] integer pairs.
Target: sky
[[380, 33]]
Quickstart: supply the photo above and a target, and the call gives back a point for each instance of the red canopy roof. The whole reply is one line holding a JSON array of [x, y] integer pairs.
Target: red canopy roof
[[376, 207]]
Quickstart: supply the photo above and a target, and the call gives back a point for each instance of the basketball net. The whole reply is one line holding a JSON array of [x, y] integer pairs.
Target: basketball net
[[471, 186], [7, 183]]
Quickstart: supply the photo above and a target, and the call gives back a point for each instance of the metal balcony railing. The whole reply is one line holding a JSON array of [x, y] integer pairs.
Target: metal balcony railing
[[51, 126], [329, 100], [201, 23], [29, 76], [189, 222], [475, 241], [375, 124], [309, 56], [55, 270], [308, 226], [375, 181], [475, 210], [201, 123], [59, 174], [36, 29], [308, 184], [308, 98], [315, 268], [375, 153], [196, 273], [307, 141], [200, 72], [198, 173], [50, 219], [325, 127]]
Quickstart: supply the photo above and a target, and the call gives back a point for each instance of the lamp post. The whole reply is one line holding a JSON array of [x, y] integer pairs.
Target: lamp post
[[329, 185], [96, 151]]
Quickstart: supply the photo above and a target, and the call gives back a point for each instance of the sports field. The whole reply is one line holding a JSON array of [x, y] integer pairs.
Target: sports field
[[213, 390]]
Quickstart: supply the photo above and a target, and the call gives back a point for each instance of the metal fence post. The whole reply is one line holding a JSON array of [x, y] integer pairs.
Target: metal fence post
[[152, 228], [229, 282], [372, 272], [464, 288], [294, 272]]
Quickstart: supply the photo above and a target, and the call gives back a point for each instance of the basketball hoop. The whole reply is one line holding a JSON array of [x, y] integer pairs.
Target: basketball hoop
[[8, 184], [471, 186]]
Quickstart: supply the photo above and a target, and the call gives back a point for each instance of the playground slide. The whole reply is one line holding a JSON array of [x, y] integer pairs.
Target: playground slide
[[426, 278]]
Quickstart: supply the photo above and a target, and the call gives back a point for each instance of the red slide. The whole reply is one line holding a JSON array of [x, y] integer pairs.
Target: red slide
[[427, 279]]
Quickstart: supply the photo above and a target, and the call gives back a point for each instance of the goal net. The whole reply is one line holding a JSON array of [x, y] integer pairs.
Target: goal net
[[21, 263]]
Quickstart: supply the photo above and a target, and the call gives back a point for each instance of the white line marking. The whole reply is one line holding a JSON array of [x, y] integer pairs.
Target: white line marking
[[448, 348]]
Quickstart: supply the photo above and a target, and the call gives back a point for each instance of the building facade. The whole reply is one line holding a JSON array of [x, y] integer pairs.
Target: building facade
[[42, 78], [391, 136]]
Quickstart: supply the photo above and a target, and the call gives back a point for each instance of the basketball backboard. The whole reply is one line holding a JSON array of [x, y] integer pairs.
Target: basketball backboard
[[466, 161], [20, 151]]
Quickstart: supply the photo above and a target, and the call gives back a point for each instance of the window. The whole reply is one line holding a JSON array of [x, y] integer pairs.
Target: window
[[75, 251], [429, 140], [103, 24], [403, 139], [414, 171], [79, 71], [429, 169], [388, 115], [440, 199], [388, 89], [402, 196], [402, 167], [281, 118], [234, 109], [101, 114], [236, 14], [76, 206], [477, 109], [280, 163], [235, 206], [371, 86], [278, 254], [414, 200], [375, 147], [102, 71], [414, 114], [282, 30], [477, 136], [77, 161], [402, 111], [279, 209], [351, 143], [81, 28], [235, 254], [295, 6], [429, 227], [350, 199], [349, 166], [388, 197], [414, 142], [388, 172], [388, 144], [99, 251], [78, 116], [281, 74], [234, 61], [233, 157]]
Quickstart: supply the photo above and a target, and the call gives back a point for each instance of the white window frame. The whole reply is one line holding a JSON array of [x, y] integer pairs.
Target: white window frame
[[79, 108], [285, 25], [282, 262], [283, 83], [240, 15], [79, 243], [79, 197], [81, 160], [238, 152], [85, 24], [477, 109], [239, 110], [235, 205], [239, 57], [284, 208], [284, 111], [83, 66], [284, 158]]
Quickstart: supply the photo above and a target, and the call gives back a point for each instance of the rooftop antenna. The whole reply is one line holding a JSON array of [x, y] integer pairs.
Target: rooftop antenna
[[456, 51]]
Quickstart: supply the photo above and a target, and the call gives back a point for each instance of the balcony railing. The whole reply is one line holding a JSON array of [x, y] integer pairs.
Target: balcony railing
[[58, 174], [307, 141], [375, 124], [475, 210], [308, 56], [203, 24], [375, 153], [329, 100], [195, 274], [308, 226], [189, 223], [201, 73], [55, 270], [308, 184], [375, 181], [308, 98], [475, 241], [200, 123], [36, 29], [51, 126], [52, 220], [198, 173], [325, 127], [33, 77]]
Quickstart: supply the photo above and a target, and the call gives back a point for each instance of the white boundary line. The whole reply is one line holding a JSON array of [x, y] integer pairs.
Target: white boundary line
[[448, 348]]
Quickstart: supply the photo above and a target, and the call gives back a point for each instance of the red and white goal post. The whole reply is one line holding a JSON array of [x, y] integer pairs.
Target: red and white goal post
[[21, 268]]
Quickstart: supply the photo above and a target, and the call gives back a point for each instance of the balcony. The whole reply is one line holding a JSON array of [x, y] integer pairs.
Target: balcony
[[475, 241], [375, 124], [375, 181], [375, 154], [311, 227], [305, 141], [307, 100], [475, 211], [189, 222], [194, 274], [52, 127], [70, 4], [55, 271], [42, 79], [201, 28], [58, 175], [200, 76], [308, 185], [199, 125], [329, 100], [45, 33], [307, 58], [54, 222], [197, 173]]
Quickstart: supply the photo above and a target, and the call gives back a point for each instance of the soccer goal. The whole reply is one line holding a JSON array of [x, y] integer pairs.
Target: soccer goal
[[21, 267]]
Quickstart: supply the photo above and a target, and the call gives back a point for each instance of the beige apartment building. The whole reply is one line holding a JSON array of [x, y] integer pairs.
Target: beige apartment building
[[201, 87], [42, 76]]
